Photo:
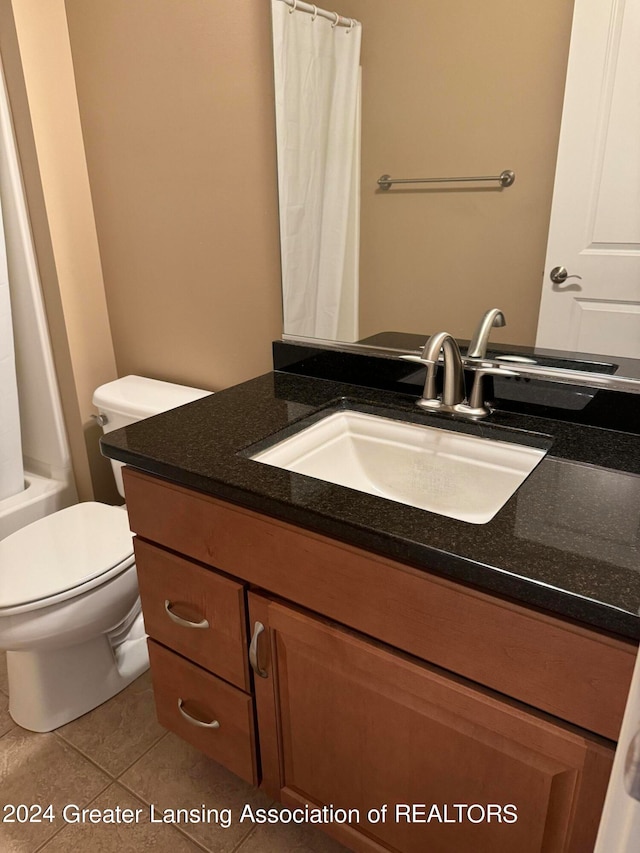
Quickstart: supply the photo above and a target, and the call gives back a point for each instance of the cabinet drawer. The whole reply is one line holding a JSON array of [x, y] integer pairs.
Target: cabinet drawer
[[187, 698], [195, 611]]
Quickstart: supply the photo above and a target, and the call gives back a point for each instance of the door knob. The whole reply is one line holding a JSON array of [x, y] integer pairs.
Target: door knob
[[558, 275]]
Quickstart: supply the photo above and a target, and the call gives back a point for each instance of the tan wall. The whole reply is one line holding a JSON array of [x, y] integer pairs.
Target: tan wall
[[37, 58], [458, 88], [176, 106], [176, 102]]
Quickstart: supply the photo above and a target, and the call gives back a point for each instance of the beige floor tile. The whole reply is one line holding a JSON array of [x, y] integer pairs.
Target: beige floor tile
[[174, 775], [40, 769], [116, 734], [104, 837], [288, 838], [6, 723], [4, 681]]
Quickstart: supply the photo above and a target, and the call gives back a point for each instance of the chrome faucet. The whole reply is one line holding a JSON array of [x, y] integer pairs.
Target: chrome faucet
[[480, 339], [453, 382]]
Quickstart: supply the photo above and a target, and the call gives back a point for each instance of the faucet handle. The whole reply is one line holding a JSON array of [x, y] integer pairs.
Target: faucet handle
[[477, 406], [416, 358], [430, 392]]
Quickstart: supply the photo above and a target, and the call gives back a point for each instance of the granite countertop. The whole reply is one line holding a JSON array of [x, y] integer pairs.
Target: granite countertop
[[567, 541]]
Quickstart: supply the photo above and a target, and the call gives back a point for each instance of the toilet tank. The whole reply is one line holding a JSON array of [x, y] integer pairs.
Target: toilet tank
[[133, 398]]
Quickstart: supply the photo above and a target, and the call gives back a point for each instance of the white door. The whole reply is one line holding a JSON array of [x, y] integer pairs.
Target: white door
[[595, 218]]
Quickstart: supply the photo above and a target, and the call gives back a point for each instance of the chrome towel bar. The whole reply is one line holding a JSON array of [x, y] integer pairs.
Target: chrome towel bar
[[505, 179]]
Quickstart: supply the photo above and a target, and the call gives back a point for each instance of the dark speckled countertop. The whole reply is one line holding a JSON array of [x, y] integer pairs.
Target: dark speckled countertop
[[567, 541]]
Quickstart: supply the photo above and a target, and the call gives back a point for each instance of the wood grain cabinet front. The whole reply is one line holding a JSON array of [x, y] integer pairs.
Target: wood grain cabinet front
[[198, 613], [568, 670], [375, 685], [457, 768], [207, 712]]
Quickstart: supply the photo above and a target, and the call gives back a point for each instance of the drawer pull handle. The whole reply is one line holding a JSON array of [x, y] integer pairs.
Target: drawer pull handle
[[258, 628], [214, 724], [186, 623]]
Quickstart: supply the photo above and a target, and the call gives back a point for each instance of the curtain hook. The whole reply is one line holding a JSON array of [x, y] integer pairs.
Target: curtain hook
[[315, 13], [351, 25], [294, 7], [336, 22]]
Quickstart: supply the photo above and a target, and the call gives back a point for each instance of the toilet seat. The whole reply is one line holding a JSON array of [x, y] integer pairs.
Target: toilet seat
[[63, 555]]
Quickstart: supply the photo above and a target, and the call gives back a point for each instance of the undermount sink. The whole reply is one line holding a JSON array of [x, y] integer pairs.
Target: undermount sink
[[444, 471]]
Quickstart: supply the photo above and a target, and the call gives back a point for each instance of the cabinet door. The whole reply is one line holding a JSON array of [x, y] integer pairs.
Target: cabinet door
[[346, 721]]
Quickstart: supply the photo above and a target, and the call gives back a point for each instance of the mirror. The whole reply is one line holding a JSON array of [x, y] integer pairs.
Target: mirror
[[454, 89]]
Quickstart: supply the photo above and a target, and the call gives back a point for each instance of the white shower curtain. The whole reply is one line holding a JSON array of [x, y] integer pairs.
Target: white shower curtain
[[11, 471], [317, 86]]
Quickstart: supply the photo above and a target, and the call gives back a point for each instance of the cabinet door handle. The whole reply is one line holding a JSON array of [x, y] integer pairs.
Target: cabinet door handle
[[186, 623], [214, 724], [258, 628]]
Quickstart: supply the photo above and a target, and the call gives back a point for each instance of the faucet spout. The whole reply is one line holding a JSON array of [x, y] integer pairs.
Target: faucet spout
[[453, 384], [480, 340]]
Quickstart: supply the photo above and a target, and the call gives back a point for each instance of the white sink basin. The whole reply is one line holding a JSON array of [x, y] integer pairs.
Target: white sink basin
[[451, 473]]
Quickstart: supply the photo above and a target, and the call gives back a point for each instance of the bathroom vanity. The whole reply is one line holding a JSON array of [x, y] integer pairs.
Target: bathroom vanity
[[436, 677]]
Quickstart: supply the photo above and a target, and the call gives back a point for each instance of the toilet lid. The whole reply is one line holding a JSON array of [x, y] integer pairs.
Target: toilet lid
[[63, 551]]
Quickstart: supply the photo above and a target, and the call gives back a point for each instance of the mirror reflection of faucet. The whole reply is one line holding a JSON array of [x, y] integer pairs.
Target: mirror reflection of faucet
[[480, 340]]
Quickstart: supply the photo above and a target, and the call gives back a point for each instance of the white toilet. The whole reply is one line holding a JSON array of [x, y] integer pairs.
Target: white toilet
[[70, 615]]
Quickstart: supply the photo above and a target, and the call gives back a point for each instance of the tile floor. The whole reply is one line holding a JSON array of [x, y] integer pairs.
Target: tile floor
[[118, 755]]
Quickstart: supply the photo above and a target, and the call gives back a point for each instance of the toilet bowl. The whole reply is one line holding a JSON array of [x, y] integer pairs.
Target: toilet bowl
[[70, 615]]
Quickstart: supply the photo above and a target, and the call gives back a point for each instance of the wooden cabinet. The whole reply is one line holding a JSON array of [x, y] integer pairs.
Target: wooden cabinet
[[458, 768], [384, 685]]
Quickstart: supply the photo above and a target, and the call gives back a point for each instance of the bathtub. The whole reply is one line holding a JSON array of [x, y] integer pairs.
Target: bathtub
[[41, 496]]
